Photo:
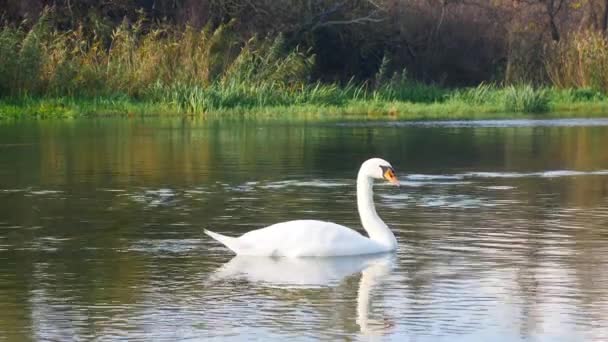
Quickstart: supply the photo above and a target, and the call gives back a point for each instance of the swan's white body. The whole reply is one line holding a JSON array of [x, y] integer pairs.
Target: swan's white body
[[318, 238], [302, 238]]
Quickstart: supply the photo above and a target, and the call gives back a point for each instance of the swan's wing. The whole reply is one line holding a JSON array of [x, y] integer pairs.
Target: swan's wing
[[306, 238]]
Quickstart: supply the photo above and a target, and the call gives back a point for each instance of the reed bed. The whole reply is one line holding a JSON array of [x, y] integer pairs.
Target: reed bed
[[150, 68], [579, 61]]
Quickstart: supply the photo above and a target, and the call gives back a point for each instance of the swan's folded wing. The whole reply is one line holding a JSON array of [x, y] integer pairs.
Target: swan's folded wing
[[307, 238]]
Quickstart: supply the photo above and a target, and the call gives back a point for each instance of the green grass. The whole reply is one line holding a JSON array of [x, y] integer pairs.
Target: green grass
[[416, 102]]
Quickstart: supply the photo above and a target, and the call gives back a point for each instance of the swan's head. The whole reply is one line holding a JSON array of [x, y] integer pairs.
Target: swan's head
[[379, 169]]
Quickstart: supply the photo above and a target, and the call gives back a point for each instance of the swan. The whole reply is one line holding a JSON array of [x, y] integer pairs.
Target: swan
[[312, 238]]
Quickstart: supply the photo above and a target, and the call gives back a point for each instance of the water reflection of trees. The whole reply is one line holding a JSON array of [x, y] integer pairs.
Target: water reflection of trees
[[142, 152]]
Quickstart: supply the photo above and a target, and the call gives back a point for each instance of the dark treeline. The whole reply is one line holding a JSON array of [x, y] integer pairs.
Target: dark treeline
[[446, 42]]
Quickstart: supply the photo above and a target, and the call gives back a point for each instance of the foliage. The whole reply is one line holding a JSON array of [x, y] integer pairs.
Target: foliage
[[452, 43], [213, 69]]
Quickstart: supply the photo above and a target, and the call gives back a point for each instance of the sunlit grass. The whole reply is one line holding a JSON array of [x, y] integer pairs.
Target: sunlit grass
[[318, 101]]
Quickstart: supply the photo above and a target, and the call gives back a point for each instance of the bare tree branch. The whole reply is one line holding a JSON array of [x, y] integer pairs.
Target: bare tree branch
[[359, 21]]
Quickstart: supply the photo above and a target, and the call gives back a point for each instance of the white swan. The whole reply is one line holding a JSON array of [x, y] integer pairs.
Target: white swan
[[319, 238]]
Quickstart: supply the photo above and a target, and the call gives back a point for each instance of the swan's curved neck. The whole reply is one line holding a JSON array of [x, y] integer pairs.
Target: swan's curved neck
[[375, 227]]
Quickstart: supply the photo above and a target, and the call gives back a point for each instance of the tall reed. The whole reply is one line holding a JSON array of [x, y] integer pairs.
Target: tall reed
[[579, 61], [194, 70], [135, 62], [199, 70]]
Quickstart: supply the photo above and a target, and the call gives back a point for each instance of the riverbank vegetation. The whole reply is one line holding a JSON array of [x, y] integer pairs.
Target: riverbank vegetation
[[351, 58]]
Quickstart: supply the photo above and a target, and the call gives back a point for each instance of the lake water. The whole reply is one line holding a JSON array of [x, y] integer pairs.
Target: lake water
[[502, 230]]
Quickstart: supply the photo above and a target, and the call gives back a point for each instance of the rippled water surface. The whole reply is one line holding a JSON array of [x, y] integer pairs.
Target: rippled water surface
[[502, 230]]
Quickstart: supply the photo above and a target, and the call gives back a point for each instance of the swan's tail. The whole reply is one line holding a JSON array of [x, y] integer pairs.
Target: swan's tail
[[227, 241]]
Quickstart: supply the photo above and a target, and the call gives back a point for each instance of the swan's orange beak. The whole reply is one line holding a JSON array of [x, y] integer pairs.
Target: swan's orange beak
[[389, 175]]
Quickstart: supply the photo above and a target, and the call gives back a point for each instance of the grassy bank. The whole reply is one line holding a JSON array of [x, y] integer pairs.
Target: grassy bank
[[146, 69], [413, 102]]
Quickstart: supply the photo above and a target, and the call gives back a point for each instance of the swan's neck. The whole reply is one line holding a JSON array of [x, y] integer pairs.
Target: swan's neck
[[375, 227]]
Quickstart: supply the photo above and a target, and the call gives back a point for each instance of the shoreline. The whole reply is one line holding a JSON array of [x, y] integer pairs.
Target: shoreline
[[68, 108]]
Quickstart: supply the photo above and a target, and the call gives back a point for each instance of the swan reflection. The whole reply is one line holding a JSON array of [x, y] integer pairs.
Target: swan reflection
[[307, 273]]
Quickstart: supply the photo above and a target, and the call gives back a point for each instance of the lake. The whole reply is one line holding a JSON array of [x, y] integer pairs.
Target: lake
[[502, 229]]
